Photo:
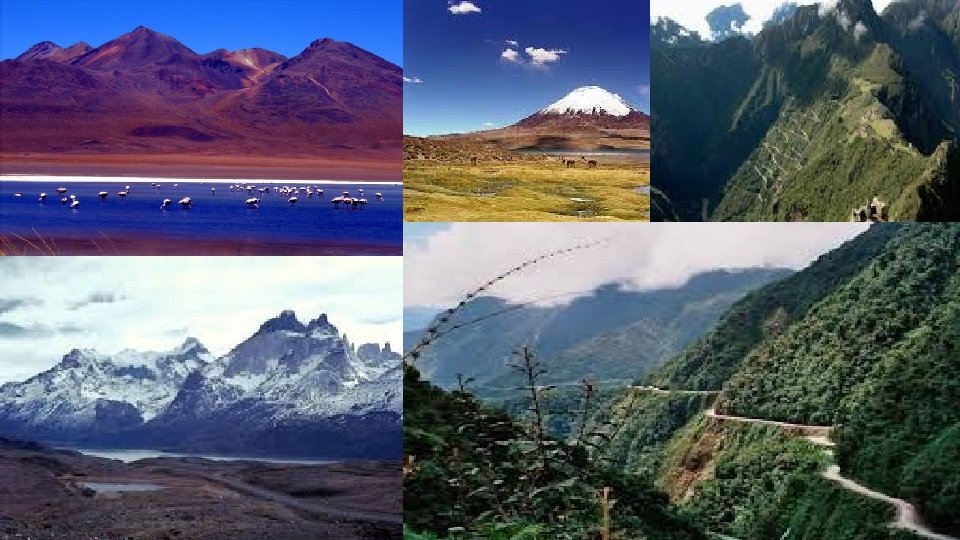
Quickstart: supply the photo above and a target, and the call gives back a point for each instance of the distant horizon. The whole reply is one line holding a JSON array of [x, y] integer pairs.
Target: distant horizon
[[373, 25]]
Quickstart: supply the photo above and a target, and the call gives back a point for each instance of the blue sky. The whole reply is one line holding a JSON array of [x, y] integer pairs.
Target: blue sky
[[466, 84], [286, 27]]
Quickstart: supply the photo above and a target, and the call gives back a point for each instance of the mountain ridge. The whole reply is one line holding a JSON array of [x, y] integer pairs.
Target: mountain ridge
[[145, 92], [285, 377]]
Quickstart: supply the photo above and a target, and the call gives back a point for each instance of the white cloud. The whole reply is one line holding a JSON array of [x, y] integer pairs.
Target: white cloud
[[412, 80], [513, 42], [692, 14], [540, 57], [463, 8], [510, 55], [440, 268], [154, 303]]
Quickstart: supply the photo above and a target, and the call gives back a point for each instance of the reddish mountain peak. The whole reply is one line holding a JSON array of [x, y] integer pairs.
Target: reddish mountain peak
[[136, 48], [327, 51], [48, 50]]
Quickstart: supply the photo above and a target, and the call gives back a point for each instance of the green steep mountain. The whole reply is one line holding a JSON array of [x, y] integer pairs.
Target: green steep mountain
[[865, 339], [610, 334], [813, 117], [717, 355]]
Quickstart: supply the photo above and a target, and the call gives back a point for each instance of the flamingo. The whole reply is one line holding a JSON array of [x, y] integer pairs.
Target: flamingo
[[102, 195], [63, 200], [379, 196], [213, 191], [123, 194], [165, 204], [186, 203], [292, 200], [319, 192], [18, 195], [43, 197], [73, 197], [74, 204], [61, 190], [175, 186], [336, 201], [253, 202]]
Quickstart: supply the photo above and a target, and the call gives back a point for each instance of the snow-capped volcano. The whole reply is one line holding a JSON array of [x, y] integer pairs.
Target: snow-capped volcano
[[589, 100], [585, 110]]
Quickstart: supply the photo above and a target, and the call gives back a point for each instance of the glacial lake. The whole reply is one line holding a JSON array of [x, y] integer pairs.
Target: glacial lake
[[128, 456]]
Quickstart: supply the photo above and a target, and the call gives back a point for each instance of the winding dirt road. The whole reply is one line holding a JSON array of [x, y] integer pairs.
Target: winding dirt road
[[908, 518]]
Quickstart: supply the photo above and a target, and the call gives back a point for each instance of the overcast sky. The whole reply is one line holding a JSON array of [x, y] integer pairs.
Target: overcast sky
[[443, 263], [49, 305], [692, 13]]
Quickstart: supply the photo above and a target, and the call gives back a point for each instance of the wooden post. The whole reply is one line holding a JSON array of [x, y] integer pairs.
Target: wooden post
[[605, 504]]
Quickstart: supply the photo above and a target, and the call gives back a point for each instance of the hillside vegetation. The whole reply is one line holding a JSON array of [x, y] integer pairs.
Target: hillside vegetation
[[813, 117]]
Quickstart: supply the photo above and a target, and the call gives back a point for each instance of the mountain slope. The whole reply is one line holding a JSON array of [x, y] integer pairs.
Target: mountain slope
[[88, 392], [588, 118], [717, 355], [611, 334], [813, 118], [863, 340]]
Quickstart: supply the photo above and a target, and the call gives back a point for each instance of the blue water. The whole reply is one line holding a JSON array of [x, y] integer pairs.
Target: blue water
[[222, 217]]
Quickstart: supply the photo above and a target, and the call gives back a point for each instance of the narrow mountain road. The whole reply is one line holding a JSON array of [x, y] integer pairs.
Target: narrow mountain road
[[819, 431], [908, 518], [656, 390]]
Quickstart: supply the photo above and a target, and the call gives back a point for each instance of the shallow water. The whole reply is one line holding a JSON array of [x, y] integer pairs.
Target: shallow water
[[111, 487], [128, 456], [219, 217]]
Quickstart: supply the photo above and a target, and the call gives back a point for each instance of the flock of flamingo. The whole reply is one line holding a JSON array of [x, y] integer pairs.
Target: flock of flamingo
[[292, 194]]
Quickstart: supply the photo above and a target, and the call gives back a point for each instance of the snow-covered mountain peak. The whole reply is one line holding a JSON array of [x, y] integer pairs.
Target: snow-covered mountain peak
[[286, 321], [589, 100]]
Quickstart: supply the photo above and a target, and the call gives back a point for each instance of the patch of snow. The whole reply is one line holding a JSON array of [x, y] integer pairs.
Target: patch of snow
[[589, 100]]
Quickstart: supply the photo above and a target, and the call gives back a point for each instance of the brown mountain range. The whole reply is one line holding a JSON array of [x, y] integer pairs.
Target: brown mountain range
[[145, 102]]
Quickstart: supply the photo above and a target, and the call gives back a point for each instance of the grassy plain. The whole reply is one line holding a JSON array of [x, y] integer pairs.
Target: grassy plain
[[541, 189]]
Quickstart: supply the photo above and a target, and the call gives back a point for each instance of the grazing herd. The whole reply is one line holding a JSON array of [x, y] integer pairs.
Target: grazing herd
[[290, 193]]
